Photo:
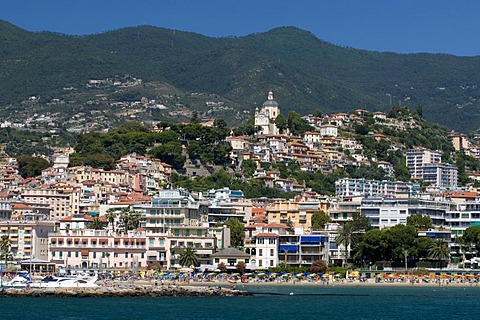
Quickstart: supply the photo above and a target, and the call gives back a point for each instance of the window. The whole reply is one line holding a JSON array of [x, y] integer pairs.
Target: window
[[259, 263], [151, 242], [217, 260], [271, 240], [199, 232], [260, 252], [76, 254], [126, 254], [272, 252], [260, 241], [231, 261]]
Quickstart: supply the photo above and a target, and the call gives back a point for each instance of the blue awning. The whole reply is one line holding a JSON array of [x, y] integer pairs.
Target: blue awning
[[310, 239], [288, 247]]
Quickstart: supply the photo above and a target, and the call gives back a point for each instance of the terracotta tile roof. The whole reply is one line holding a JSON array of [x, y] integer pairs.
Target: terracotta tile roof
[[275, 225], [266, 234], [258, 218]]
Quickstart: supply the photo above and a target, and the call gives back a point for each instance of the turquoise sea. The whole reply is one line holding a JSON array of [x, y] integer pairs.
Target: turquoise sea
[[268, 302]]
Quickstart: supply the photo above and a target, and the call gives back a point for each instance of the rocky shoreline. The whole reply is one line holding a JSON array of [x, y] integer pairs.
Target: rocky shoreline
[[134, 291]]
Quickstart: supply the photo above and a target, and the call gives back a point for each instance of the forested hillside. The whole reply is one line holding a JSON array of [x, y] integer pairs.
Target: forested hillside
[[304, 72]]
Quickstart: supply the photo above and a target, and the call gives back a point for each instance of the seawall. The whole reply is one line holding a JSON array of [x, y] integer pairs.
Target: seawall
[[134, 291]]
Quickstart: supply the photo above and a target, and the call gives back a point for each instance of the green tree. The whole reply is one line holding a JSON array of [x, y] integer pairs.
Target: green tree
[[31, 166], [195, 118], [422, 245], [372, 247], [6, 249], [96, 224], [319, 219], [249, 167], [317, 113], [419, 221], [189, 257], [398, 239], [111, 216], [465, 246], [297, 125], [281, 123], [439, 251], [472, 235], [129, 219], [344, 238], [237, 232], [169, 152]]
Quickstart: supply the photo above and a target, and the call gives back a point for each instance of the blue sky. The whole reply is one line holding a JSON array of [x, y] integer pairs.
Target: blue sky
[[404, 26]]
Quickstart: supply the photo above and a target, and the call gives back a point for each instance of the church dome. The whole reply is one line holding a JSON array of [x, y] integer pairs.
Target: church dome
[[270, 102]]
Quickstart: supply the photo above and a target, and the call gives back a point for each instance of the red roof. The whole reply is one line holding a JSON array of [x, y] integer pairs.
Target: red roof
[[267, 234], [276, 225]]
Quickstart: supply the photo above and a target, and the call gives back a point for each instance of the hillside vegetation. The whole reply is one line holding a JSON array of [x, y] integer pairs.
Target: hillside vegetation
[[304, 72]]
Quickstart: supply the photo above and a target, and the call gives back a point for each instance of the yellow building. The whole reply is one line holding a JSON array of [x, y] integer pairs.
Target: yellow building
[[295, 214]]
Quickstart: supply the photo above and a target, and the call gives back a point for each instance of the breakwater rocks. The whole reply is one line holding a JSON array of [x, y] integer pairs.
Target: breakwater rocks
[[134, 291]]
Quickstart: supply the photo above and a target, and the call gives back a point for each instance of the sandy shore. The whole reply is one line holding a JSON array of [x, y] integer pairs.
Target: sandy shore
[[239, 285]]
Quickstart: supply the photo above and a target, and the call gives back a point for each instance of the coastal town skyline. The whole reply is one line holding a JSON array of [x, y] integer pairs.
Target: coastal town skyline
[[403, 27]]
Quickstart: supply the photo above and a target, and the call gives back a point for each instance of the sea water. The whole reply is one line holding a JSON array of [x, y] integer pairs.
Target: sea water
[[267, 302]]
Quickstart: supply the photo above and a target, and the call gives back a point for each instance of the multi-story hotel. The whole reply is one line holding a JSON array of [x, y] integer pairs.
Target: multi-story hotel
[[29, 238]]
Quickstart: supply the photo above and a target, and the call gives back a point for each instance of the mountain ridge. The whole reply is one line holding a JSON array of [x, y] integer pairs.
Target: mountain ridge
[[304, 72]]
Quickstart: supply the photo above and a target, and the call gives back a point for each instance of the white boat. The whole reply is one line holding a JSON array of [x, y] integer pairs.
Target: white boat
[[65, 282], [19, 282]]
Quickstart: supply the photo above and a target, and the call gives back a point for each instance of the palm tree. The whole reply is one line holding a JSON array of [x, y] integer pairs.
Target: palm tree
[[188, 257], [344, 238], [6, 249], [129, 219], [465, 247], [111, 215], [439, 251], [96, 224]]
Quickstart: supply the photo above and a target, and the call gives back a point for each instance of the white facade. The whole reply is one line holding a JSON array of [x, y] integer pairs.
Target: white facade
[[265, 117], [328, 130], [266, 245], [440, 175], [417, 158]]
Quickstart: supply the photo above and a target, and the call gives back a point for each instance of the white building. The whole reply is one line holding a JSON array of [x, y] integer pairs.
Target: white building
[[440, 175], [417, 158], [265, 117], [328, 130]]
